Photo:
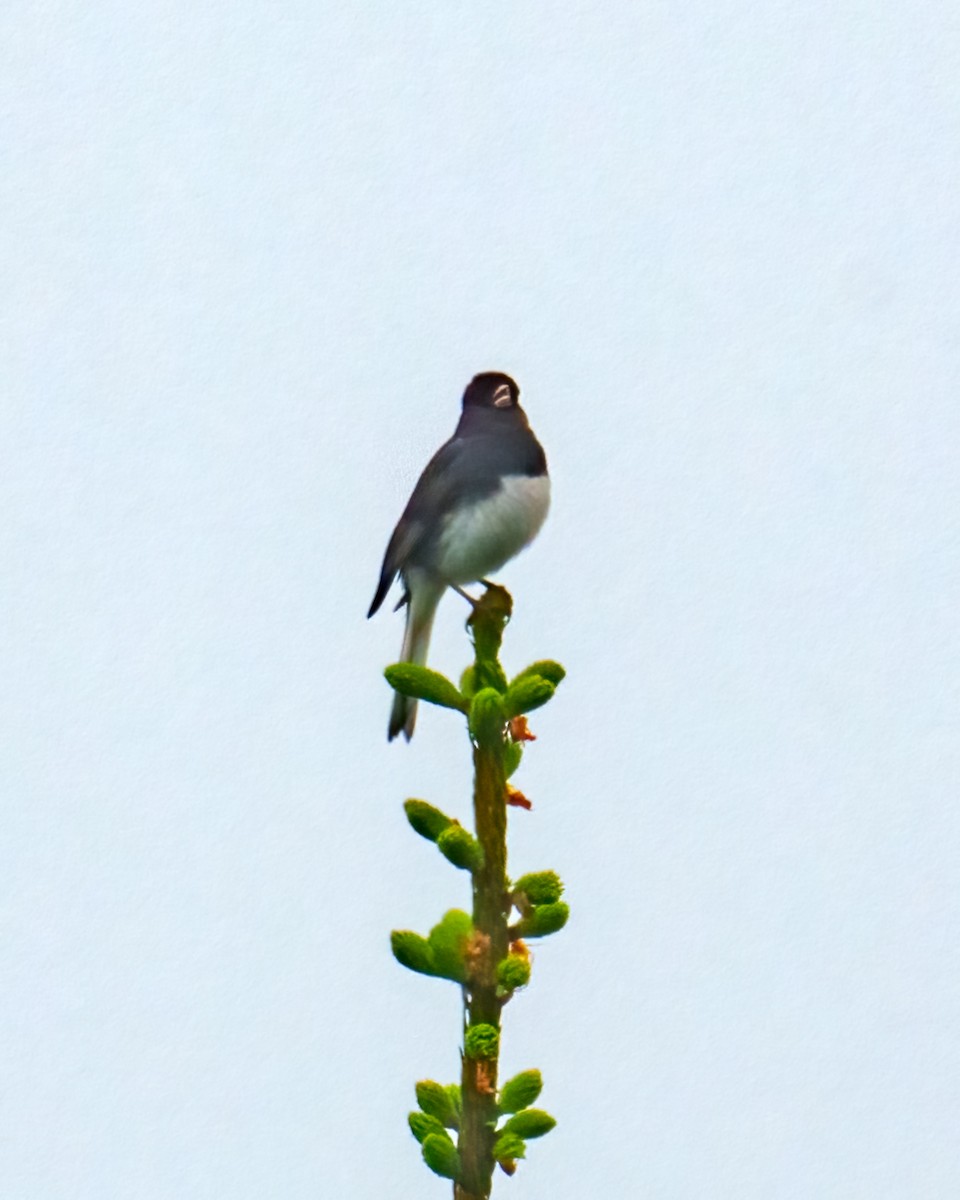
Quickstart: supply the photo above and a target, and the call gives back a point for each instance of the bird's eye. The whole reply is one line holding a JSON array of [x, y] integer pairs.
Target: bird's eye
[[502, 397]]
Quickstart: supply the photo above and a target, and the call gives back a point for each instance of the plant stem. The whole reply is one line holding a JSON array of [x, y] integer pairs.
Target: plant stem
[[490, 909]]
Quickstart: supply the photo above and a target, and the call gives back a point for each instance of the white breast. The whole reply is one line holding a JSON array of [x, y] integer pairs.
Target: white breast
[[478, 540]]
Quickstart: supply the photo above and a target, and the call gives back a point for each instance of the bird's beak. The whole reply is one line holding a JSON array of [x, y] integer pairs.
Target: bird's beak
[[502, 397]]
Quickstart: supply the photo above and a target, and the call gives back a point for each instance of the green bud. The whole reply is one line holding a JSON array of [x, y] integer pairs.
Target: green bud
[[412, 951], [509, 1146], [539, 887], [513, 972], [481, 1041], [527, 694], [520, 1091], [530, 1123], [489, 673], [545, 668], [428, 821], [456, 1103], [512, 754], [421, 1124], [436, 1102], [448, 944], [543, 920], [487, 717], [468, 682], [460, 847], [410, 679], [440, 1155]]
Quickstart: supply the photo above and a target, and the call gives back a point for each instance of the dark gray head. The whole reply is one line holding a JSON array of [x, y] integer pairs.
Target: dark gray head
[[491, 389]]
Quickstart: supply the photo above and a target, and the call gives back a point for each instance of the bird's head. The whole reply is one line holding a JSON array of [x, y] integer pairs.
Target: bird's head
[[491, 389]]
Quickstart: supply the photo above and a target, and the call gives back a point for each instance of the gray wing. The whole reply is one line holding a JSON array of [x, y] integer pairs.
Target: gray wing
[[437, 491]]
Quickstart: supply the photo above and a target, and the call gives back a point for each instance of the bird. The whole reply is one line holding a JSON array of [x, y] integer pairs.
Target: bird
[[481, 499]]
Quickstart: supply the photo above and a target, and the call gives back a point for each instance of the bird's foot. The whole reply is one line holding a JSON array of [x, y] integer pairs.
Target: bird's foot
[[466, 595]]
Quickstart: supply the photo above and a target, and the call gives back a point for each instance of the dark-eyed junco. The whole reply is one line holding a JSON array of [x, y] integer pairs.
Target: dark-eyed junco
[[482, 498]]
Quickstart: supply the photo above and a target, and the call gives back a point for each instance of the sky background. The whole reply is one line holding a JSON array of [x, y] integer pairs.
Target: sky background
[[251, 255]]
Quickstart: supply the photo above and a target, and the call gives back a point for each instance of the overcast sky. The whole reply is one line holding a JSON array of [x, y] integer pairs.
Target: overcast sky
[[251, 254]]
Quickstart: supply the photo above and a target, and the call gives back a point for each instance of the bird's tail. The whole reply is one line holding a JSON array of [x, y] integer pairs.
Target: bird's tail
[[421, 609]]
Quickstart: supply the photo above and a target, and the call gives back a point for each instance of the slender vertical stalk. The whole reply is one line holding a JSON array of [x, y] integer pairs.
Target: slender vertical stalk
[[475, 950], [490, 911]]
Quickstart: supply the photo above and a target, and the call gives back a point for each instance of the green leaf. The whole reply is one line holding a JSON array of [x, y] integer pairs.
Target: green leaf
[[460, 847], [481, 1042], [436, 1102], [440, 1155], [508, 1147], [542, 920], [421, 1124], [487, 717], [413, 951], [546, 668], [527, 694], [520, 1091], [448, 944], [530, 1123], [540, 887], [428, 821], [410, 679]]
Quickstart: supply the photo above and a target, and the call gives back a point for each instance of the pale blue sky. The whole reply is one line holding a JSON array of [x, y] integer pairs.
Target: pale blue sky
[[251, 255]]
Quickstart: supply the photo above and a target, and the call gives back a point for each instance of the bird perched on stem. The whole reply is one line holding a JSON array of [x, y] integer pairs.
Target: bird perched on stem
[[480, 500]]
